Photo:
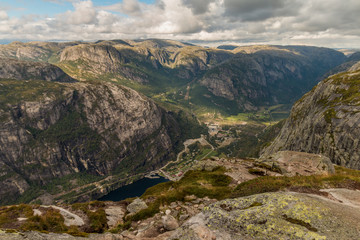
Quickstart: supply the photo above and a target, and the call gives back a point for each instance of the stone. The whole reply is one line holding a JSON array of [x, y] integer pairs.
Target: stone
[[136, 206], [167, 212], [169, 223], [37, 212]]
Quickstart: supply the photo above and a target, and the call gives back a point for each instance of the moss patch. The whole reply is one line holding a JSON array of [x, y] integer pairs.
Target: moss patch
[[299, 222]]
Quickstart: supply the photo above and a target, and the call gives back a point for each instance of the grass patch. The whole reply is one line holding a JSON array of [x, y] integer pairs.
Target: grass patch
[[343, 178], [9, 215], [272, 168], [213, 184], [256, 171], [96, 215], [50, 221]]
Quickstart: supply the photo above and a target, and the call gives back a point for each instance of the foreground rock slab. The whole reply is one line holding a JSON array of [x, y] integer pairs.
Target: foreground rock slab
[[281, 215], [54, 236]]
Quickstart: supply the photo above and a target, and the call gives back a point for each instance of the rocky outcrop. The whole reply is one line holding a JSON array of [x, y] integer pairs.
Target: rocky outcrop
[[290, 163], [273, 216], [136, 206], [325, 121], [25, 70]]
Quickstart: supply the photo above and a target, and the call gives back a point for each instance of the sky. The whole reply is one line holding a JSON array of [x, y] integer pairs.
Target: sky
[[328, 23]]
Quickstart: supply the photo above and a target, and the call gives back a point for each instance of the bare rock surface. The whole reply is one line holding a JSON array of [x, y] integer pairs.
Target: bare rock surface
[[345, 196], [281, 215], [292, 163], [69, 217], [114, 215]]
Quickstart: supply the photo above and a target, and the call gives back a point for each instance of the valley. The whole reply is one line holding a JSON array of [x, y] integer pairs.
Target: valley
[[236, 131]]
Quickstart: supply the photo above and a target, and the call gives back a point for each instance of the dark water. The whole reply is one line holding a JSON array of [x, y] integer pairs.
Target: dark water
[[136, 189]]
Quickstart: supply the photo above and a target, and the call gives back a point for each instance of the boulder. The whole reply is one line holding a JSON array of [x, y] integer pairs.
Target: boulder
[[136, 206], [170, 223], [290, 163]]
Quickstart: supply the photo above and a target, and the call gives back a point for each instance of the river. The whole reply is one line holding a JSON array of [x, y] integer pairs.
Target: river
[[136, 189]]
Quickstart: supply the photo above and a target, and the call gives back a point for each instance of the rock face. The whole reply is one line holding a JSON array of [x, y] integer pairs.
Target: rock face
[[273, 216], [326, 121], [106, 58], [298, 163], [23, 70], [99, 129]]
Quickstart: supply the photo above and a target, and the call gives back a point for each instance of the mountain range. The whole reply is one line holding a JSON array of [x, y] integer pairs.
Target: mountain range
[[197, 78]]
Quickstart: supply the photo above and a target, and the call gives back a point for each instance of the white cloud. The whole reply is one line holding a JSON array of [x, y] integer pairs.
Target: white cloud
[[313, 22], [84, 13], [3, 15]]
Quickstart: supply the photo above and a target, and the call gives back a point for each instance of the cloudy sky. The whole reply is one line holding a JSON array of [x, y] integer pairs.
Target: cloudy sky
[[331, 23]]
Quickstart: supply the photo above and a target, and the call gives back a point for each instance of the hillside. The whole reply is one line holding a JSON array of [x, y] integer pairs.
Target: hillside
[[267, 75], [24, 70], [326, 121]]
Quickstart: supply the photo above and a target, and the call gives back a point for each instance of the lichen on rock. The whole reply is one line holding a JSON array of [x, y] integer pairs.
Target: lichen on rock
[[274, 216]]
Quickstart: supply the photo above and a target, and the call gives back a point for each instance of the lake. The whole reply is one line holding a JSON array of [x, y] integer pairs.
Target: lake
[[136, 189]]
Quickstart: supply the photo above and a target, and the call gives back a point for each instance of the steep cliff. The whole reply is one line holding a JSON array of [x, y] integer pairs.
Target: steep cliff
[[24, 70], [326, 121], [77, 133]]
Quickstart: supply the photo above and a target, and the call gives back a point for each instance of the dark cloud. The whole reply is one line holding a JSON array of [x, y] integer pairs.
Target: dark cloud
[[258, 10], [198, 6], [322, 15], [330, 23]]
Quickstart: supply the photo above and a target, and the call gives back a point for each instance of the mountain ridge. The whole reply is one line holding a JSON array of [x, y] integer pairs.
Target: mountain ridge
[[156, 66]]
